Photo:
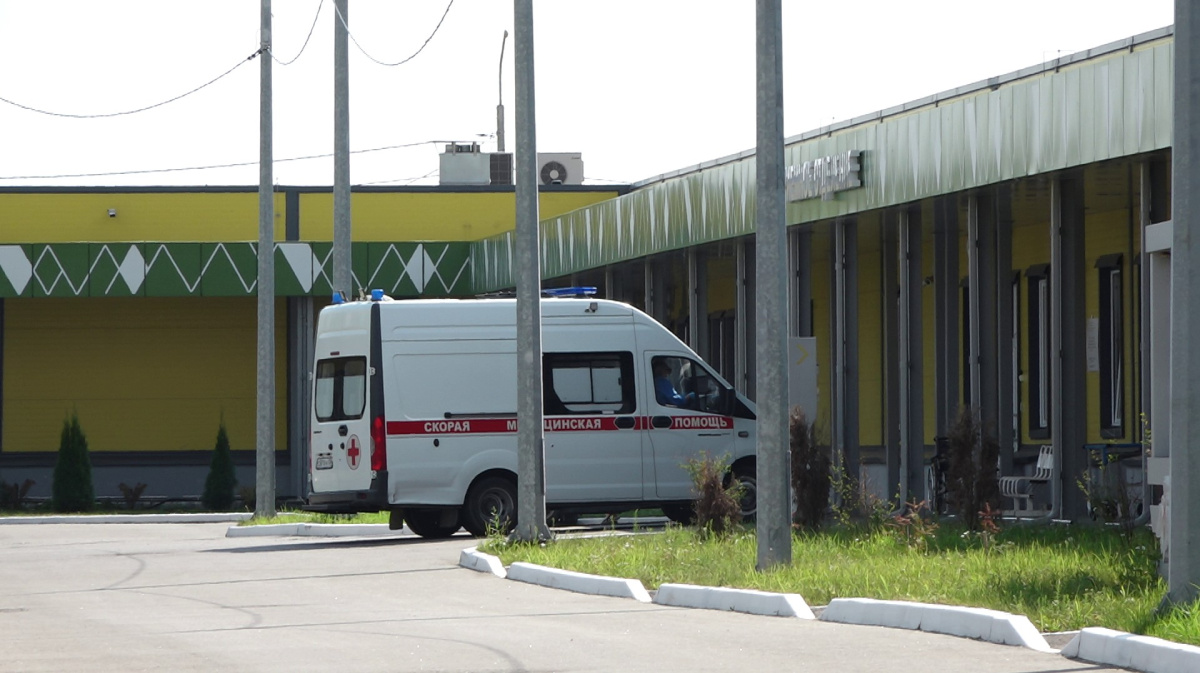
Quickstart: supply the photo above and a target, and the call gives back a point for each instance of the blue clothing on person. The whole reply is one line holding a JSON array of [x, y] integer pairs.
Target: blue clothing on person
[[667, 395]]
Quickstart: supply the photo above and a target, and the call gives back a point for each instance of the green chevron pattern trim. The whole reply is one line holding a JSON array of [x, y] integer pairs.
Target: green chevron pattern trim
[[427, 269]]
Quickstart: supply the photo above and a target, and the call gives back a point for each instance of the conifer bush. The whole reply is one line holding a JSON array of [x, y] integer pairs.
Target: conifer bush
[[72, 490], [972, 483], [221, 480]]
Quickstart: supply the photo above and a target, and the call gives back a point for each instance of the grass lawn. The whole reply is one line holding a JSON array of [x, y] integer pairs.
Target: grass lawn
[[1061, 577]]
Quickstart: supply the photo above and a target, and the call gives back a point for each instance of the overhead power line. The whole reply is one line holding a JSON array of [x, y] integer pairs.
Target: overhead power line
[[239, 164], [51, 113], [306, 39], [414, 55]]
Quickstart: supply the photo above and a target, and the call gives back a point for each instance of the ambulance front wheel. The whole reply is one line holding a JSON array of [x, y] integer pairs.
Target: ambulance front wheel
[[491, 507], [432, 524]]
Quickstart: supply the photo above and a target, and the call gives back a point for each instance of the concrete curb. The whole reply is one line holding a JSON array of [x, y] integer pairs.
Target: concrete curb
[[736, 600], [126, 518], [313, 530], [474, 559], [990, 625], [1126, 650], [578, 582]]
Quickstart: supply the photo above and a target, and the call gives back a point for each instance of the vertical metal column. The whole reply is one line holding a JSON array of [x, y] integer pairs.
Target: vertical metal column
[[648, 293], [891, 355], [912, 346], [697, 302], [946, 337], [342, 273], [1006, 432], [740, 377], [771, 380], [1184, 567], [1068, 344], [845, 327], [531, 456], [610, 290], [264, 481]]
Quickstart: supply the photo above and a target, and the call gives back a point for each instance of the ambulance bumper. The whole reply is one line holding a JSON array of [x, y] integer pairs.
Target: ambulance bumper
[[374, 499]]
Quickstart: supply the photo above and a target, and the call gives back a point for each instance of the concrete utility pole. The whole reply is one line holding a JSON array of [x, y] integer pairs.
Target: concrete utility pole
[[1183, 570], [531, 455], [774, 455], [342, 275], [264, 483]]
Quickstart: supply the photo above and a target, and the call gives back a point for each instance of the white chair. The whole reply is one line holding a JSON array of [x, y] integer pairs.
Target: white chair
[[1020, 489]]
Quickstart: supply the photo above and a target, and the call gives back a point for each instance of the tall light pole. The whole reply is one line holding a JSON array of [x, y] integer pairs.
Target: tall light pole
[[264, 482], [774, 459], [500, 105]]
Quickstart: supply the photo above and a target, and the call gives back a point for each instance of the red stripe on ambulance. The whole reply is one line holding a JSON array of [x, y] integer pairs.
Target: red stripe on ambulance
[[469, 426]]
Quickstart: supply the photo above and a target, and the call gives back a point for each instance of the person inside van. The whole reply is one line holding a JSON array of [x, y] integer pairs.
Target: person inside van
[[664, 390]]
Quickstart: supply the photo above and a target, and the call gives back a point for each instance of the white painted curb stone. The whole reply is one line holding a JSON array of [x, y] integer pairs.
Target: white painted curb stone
[[735, 600], [990, 625], [313, 530], [474, 559], [183, 517], [578, 582], [1126, 650]]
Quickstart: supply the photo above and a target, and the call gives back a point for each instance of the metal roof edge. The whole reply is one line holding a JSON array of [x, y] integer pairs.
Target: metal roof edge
[[1128, 43]]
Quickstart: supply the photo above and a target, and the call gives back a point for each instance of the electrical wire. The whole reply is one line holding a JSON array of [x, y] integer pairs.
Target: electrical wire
[[306, 39], [406, 181], [141, 109], [215, 166], [414, 55]]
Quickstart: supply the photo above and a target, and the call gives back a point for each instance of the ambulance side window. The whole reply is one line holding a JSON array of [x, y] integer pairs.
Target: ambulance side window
[[588, 383], [341, 389]]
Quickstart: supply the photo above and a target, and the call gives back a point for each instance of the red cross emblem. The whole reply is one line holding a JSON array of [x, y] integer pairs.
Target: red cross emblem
[[353, 451]]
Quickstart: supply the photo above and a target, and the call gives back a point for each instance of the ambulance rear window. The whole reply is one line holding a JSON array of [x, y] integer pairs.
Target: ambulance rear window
[[341, 389]]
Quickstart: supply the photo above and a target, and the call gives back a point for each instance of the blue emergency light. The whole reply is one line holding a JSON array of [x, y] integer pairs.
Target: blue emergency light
[[582, 291], [376, 295]]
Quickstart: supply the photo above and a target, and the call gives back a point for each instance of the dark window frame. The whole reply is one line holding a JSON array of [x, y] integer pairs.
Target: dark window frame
[[1039, 372], [1112, 346]]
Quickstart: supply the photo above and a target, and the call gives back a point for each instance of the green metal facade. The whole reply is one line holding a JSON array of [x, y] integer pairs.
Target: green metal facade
[[226, 269], [1109, 102]]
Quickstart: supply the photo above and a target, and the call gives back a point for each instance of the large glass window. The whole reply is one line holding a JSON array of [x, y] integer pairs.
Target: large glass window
[[1112, 326], [341, 389], [588, 383]]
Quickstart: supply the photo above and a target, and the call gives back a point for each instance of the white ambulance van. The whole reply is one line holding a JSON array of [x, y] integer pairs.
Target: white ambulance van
[[415, 412]]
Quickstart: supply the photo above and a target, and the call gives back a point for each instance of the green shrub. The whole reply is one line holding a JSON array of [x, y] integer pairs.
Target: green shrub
[[718, 507], [221, 481], [811, 477], [72, 490]]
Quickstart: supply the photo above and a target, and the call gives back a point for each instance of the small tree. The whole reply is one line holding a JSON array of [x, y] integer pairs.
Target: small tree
[[810, 472], [971, 480], [221, 480], [72, 490]]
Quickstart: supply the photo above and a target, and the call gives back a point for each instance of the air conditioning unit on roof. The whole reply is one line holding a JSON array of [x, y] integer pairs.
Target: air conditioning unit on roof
[[560, 168]]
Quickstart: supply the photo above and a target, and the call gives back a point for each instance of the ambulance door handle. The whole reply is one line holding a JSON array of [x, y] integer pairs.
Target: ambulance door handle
[[342, 430], [660, 421], [743, 433], [624, 422]]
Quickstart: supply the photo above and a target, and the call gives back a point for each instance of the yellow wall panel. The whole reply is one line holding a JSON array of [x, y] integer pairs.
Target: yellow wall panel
[[1107, 233], [432, 216], [167, 217], [144, 374], [722, 281], [870, 344]]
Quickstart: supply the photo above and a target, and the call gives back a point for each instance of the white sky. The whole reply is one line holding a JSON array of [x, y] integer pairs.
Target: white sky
[[639, 87]]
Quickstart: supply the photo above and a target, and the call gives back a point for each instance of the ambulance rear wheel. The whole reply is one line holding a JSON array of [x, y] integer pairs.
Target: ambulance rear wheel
[[433, 524], [491, 507]]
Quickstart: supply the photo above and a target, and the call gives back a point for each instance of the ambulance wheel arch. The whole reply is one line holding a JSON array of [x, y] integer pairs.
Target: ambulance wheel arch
[[491, 504]]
